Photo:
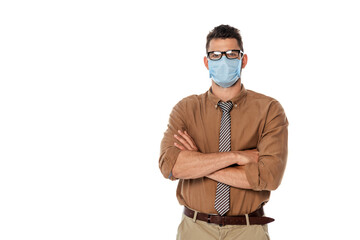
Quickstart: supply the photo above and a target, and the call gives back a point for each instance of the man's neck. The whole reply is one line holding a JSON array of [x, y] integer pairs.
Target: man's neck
[[225, 94]]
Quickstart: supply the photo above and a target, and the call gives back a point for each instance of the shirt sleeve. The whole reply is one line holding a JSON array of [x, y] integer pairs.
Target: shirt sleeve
[[168, 152], [273, 150]]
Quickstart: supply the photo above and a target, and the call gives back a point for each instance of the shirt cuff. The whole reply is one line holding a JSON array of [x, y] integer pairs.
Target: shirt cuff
[[170, 158]]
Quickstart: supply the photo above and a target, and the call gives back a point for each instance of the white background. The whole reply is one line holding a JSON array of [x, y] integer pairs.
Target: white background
[[87, 88]]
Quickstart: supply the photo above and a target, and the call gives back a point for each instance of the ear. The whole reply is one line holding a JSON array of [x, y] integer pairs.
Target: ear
[[206, 63], [244, 61]]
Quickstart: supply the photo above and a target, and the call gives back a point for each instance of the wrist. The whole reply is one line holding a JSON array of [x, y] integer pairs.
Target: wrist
[[240, 158]]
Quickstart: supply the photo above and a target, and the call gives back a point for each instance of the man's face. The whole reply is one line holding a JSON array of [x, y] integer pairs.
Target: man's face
[[223, 45]]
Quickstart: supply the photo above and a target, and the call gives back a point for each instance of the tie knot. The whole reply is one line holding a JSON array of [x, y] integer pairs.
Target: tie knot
[[225, 106]]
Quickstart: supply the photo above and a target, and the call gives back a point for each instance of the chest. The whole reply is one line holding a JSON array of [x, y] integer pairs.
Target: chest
[[204, 127]]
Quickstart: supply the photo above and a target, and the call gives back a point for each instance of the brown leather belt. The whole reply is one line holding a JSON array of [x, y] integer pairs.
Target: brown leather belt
[[255, 218]]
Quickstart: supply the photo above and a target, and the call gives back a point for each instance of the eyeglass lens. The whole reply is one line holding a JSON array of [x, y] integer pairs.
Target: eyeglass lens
[[229, 54]]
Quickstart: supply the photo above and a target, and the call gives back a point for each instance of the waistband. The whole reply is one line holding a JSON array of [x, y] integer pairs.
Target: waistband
[[255, 218]]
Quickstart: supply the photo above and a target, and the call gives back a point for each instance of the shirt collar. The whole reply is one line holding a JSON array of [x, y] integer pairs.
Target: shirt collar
[[235, 100]]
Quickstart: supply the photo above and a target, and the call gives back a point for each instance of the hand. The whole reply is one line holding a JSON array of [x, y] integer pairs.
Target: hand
[[248, 156], [187, 143]]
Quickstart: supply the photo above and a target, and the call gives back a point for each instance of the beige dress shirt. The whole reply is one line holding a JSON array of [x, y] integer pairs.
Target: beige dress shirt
[[257, 121]]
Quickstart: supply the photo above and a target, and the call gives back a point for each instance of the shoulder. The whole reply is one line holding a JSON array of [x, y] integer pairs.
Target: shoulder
[[268, 106], [190, 101], [261, 99]]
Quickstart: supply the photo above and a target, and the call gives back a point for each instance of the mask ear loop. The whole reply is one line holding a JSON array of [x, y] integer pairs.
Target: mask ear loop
[[241, 60]]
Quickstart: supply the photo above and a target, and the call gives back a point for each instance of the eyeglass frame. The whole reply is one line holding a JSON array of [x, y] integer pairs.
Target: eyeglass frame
[[222, 53]]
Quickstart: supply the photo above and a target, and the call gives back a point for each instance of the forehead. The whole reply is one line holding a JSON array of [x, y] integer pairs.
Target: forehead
[[219, 44]]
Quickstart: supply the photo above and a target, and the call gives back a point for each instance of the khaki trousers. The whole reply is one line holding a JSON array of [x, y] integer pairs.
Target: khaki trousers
[[198, 230]]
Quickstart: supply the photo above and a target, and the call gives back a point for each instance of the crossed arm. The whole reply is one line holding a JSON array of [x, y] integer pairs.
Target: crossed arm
[[225, 167], [261, 168]]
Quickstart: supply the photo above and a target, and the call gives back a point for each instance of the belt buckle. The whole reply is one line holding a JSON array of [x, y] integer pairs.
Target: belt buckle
[[216, 216], [210, 217]]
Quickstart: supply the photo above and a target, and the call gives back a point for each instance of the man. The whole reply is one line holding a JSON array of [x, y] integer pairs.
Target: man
[[227, 147]]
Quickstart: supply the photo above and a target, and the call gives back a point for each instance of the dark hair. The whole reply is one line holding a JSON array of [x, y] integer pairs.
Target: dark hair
[[224, 31]]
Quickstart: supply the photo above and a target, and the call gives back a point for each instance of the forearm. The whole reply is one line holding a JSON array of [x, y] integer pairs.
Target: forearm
[[191, 164], [234, 176]]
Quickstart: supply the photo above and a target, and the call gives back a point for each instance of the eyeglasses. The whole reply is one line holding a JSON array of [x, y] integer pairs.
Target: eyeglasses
[[231, 54]]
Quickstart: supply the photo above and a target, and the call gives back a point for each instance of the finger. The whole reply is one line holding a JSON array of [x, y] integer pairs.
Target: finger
[[192, 140], [179, 146], [183, 142], [188, 139]]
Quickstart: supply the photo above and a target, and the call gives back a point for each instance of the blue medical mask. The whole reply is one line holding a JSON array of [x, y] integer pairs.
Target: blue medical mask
[[225, 72]]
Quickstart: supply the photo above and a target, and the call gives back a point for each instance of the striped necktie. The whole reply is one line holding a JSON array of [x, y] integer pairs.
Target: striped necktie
[[222, 198]]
